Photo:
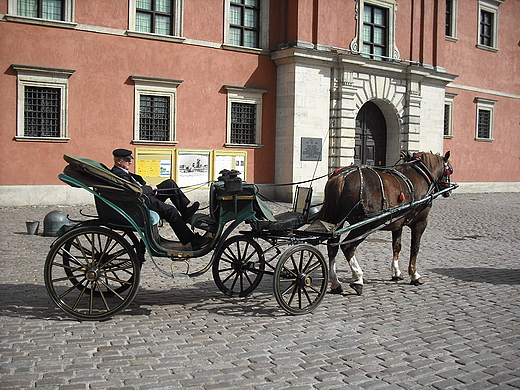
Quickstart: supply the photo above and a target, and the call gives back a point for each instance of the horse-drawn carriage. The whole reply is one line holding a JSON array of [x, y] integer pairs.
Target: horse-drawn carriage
[[92, 271]]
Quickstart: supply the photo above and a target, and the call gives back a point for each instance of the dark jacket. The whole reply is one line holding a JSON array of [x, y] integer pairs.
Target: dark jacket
[[132, 178]]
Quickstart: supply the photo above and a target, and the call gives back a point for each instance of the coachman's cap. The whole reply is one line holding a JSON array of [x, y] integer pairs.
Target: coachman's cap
[[123, 153]]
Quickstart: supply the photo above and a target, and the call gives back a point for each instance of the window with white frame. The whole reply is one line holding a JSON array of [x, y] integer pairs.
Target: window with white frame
[[485, 118], [451, 19], [488, 24], [45, 10], [158, 17], [244, 116], [247, 23], [155, 102], [448, 115], [375, 37], [42, 103]]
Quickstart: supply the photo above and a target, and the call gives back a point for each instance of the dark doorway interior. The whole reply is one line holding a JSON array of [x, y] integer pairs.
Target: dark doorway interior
[[370, 136]]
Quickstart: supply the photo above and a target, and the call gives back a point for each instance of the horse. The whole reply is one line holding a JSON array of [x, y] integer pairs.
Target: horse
[[357, 193]]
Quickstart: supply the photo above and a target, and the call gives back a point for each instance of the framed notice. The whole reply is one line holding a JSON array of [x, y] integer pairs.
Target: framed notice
[[193, 168], [154, 164], [226, 159], [310, 149]]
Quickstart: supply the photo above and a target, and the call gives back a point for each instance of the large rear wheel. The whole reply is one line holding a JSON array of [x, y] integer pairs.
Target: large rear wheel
[[300, 279], [92, 273]]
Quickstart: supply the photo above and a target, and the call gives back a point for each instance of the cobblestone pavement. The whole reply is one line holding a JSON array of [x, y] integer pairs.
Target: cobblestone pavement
[[459, 330]]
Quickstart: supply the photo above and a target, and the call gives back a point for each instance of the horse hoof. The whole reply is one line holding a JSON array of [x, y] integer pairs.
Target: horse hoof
[[337, 290], [358, 288], [396, 278], [417, 282]]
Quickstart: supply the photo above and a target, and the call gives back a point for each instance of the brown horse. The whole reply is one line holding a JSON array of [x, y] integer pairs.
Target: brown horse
[[355, 193]]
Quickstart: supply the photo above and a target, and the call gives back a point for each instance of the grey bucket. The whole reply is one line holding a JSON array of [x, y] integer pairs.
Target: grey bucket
[[32, 227]]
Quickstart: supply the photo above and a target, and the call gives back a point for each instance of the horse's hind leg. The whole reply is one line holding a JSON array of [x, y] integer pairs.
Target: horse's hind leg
[[332, 251], [396, 249]]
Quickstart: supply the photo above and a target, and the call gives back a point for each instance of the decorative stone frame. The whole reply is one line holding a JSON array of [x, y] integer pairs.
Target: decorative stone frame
[[264, 29], [487, 105], [156, 87], [357, 42], [249, 96], [68, 12], [177, 20], [492, 7], [43, 78], [449, 101]]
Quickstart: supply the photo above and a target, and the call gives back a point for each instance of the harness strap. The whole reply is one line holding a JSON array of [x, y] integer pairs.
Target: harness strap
[[380, 184]]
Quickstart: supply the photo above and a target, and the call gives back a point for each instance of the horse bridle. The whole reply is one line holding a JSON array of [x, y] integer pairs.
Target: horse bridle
[[435, 185]]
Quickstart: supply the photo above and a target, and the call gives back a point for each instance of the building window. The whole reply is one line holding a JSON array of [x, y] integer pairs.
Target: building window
[[155, 101], [485, 114], [248, 23], [244, 116], [44, 9], [154, 118], [375, 36], [243, 123], [49, 12], [244, 23], [451, 18], [158, 17], [42, 103], [488, 25], [375, 25], [448, 115]]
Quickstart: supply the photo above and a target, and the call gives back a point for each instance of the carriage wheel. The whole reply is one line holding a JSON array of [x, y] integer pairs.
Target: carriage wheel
[[92, 273], [239, 266], [300, 279]]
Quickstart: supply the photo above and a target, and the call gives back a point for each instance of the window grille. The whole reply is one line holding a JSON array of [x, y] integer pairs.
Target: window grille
[[486, 28], [154, 16], [244, 29], [375, 24], [154, 118], [449, 12], [484, 124], [447, 119], [243, 123], [44, 9], [42, 112]]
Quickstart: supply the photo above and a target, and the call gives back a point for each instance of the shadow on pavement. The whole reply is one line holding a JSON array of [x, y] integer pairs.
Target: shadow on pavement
[[482, 274]]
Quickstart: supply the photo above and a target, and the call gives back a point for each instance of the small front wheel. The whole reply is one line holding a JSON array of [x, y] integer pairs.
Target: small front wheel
[[92, 273], [300, 279], [239, 266]]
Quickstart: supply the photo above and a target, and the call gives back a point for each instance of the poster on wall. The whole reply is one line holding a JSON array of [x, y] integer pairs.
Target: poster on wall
[[230, 160], [193, 168], [154, 164]]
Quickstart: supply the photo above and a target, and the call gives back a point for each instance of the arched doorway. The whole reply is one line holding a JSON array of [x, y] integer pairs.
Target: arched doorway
[[370, 136]]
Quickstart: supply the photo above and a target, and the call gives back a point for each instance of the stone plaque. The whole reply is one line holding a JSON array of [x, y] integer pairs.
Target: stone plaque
[[311, 149]]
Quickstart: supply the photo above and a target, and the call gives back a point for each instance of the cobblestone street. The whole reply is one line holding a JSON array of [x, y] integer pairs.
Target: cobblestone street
[[459, 330]]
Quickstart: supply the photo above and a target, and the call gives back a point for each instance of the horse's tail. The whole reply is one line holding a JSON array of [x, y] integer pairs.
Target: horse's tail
[[331, 201]]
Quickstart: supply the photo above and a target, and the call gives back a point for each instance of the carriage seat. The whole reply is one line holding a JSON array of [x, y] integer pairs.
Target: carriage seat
[[299, 216]]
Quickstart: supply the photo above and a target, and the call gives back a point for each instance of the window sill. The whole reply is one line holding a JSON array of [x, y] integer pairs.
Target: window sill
[[41, 22], [244, 49], [451, 39], [487, 48], [159, 37], [142, 142], [41, 139], [244, 146], [448, 136], [484, 139]]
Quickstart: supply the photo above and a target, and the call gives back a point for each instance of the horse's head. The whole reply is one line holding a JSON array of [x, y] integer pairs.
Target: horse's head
[[438, 166]]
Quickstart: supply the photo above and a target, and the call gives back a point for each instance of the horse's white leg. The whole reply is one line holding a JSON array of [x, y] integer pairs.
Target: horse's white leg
[[335, 285], [357, 272], [396, 249]]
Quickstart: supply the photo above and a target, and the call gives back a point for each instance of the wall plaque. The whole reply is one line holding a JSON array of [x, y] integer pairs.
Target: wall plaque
[[310, 149]]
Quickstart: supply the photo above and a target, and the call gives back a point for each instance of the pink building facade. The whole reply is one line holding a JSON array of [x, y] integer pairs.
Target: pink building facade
[[286, 91]]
